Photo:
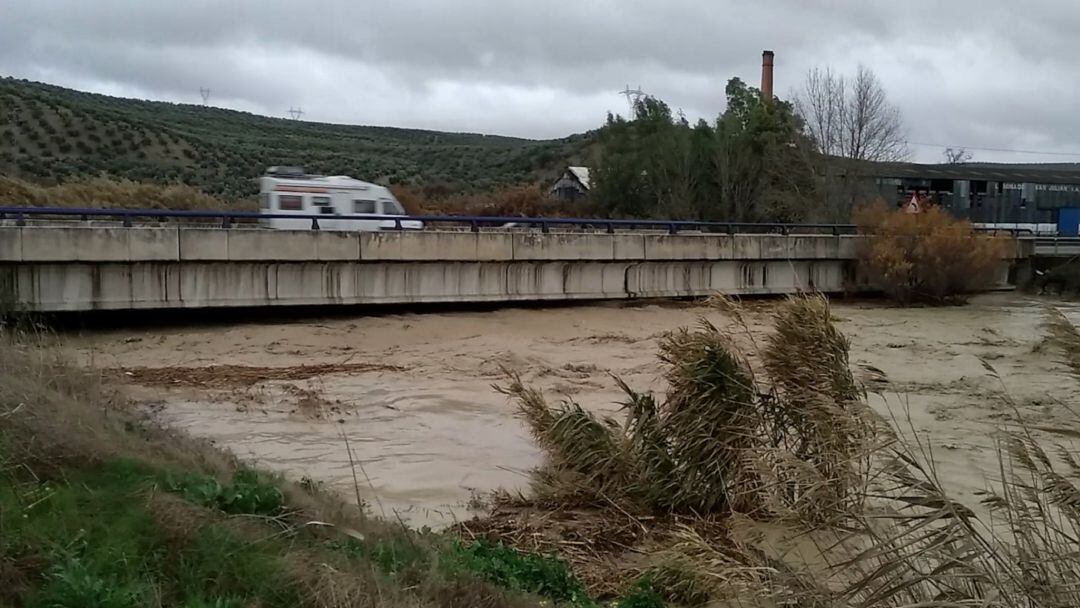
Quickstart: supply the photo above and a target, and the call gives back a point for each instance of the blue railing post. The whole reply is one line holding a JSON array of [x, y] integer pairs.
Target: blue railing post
[[610, 228], [314, 223], [474, 226], [544, 227], [397, 223], [673, 228], [226, 222], [20, 220], [127, 221]]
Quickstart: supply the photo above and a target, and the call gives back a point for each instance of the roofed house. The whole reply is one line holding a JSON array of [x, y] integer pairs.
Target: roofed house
[[573, 185]]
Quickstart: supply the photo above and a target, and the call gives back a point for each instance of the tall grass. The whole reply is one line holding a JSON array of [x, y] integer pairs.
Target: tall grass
[[790, 441], [721, 440], [929, 257]]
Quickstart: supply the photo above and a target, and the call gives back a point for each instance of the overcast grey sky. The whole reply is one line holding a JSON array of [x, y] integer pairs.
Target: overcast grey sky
[[980, 73]]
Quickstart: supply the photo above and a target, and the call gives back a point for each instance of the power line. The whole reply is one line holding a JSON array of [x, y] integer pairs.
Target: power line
[[1012, 150]]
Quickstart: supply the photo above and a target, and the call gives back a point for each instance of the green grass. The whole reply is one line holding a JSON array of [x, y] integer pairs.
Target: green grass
[[92, 540], [220, 565], [74, 583], [641, 595], [250, 492], [545, 576], [405, 557], [97, 544]]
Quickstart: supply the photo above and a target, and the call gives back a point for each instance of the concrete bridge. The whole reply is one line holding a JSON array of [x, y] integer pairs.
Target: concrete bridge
[[79, 268]]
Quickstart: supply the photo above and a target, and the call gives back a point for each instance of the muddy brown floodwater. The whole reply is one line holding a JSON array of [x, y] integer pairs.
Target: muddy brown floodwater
[[413, 393]]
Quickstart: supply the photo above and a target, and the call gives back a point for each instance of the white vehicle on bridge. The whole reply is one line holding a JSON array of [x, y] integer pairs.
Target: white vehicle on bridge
[[337, 200]]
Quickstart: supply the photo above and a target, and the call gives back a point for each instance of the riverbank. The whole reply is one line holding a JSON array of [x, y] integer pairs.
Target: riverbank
[[396, 413], [101, 506], [412, 392]]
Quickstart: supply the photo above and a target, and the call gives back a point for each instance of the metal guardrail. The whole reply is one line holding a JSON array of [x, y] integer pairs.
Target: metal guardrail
[[227, 219], [1057, 246], [474, 223]]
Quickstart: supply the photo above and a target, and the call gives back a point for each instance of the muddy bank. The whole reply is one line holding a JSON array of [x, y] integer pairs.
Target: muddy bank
[[412, 392]]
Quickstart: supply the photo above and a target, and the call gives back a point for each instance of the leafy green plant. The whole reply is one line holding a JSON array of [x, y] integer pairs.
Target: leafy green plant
[[641, 595], [546, 576], [74, 584], [249, 493], [392, 555]]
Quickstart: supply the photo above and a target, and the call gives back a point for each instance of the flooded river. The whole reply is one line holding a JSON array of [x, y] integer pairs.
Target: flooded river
[[413, 393]]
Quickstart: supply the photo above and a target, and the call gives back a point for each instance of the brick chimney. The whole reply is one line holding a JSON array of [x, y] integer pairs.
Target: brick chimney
[[767, 75]]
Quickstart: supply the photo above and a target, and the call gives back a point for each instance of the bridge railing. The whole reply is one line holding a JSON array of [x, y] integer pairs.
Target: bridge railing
[[226, 219]]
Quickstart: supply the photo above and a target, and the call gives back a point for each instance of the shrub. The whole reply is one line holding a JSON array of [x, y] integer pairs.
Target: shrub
[[546, 576], [109, 193], [721, 441], [510, 201], [930, 257]]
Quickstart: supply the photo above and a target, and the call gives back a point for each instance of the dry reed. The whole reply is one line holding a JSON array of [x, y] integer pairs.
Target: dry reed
[[720, 441], [798, 443]]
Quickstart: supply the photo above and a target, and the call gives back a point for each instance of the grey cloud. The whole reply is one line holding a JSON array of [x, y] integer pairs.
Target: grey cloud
[[990, 73]]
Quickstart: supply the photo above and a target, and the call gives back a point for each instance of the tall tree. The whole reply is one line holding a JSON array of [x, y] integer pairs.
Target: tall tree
[[749, 165], [852, 118], [850, 121]]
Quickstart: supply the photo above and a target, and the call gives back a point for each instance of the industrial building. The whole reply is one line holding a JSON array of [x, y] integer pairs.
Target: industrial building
[[983, 192]]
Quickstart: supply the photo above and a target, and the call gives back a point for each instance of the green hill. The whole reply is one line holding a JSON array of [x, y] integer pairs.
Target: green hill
[[50, 134]]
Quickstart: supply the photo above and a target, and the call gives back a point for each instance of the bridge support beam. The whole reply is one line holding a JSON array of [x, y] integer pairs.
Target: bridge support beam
[[158, 285]]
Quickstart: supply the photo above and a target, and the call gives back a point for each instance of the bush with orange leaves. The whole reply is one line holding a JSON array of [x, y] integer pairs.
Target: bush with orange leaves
[[929, 257]]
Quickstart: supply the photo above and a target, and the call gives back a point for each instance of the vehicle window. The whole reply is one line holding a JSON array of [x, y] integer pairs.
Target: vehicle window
[[364, 207], [323, 204], [289, 202], [391, 207]]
